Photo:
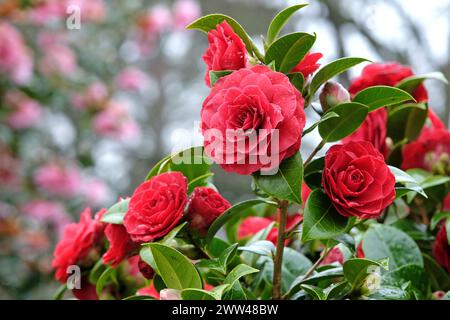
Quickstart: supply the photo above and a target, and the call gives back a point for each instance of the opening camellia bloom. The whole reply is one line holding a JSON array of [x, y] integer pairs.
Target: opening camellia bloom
[[441, 248], [120, 244], [251, 115], [78, 240], [156, 206], [357, 180], [226, 50]]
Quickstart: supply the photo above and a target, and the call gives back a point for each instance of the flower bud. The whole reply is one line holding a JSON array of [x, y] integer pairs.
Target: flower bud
[[333, 94], [146, 270]]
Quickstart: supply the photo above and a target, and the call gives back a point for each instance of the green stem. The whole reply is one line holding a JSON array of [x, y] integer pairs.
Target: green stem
[[257, 54], [317, 149], [324, 254], [276, 295]]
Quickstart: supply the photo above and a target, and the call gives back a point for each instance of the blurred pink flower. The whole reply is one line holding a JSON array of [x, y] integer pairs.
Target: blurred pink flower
[[185, 12], [95, 192], [9, 170], [94, 95], [157, 20], [47, 11], [132, 79], [15, 58], [91, 10], [24, 112], [115, 122], [58, 59], [47, 212], [58, 180]]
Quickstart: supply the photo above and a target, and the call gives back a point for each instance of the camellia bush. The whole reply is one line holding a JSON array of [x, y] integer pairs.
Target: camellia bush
[[369, 220]]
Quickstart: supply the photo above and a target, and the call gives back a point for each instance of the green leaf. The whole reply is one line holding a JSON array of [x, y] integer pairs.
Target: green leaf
[[139, 297], [227, 256], [174, 268], [196, 294], [289, 50], [411, 83], [438, 217], [381, 96], [147, 256], [286, 184], [381, 242], [324, 118], [351, 116], [218, 291], [411, 274], [313, 173], [230, 213], [214, 76], [315, 292], [331, 70], [401, 177], [96, 271], [262, 247], [439, 278], [210, 22], [115, 214], [238, 272], [357, 270], [321, 220], [298, 80], [172, 234], [280, 20], [386, 292], [406, 121], [108, 276], [59, 293]]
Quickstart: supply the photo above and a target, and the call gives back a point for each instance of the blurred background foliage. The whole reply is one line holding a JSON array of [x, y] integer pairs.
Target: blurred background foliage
[[94, 109]]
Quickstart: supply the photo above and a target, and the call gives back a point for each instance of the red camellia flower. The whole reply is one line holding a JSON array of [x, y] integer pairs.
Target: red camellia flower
[[226, 50], [156, 207], [252, 120], [148, 291], [357, 180], [87, 290], [335, 255], [205, 205], [308, 65], [431, 151], [359, 251], [120, 244], [252, 225], [145, 269], [78, 240], [386, 74], [373, 130], [441, 248]]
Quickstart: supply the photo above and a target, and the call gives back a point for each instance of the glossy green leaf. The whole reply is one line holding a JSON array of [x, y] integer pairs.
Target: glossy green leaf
[[262, 247], [324, 118], [357, 270], [351, 116], [381, 96], [381, 242], [280, 20], [289, 50], [410, 84], [298, 80], [238, 272], [320, 218], [174, 268], [286, 184], [196, 294], [115, 214], [210, 22], [438, 217], [108, 276], [230, 213], [331, 70], [214, 76], [410, 274]]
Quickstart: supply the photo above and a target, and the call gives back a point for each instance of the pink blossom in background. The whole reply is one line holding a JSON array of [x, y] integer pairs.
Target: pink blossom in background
[[157, 20], [24, 112], [58, 180], [10, 169], [47, 212], [15, 58], [95, 192], [185, 12], [115, 122], [91, 10], [91, 98], [47, 11], [132, 79], [58, 59]]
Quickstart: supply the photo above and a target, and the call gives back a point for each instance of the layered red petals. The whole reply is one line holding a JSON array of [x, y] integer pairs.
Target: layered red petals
[[205, 205], [226, 50], [308, 65], [357, 180], [156, 206], [252, 120], [78, 240], [120, 245]]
